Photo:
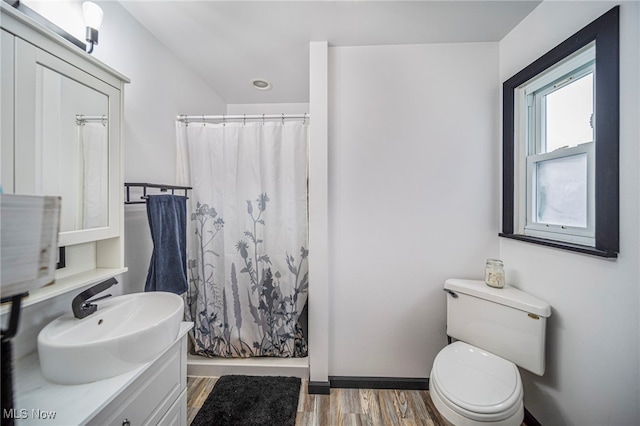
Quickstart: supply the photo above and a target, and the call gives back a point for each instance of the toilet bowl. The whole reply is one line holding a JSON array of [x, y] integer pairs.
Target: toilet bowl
[[470, 386]]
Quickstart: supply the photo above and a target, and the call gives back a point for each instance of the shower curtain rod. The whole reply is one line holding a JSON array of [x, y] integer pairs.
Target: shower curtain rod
[[81, 119], [244, 117]]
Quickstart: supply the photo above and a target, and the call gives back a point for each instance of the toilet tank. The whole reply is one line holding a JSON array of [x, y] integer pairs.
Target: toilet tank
[[504, 321]]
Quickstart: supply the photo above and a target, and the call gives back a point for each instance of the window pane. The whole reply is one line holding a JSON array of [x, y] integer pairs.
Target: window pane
[[561, 191], [568, 114]]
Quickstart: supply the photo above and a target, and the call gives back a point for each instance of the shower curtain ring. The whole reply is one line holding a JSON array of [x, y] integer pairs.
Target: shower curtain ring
[[224, 121], [283, 119], [304, 119], [263, 119], [244, 119], [203, 122]]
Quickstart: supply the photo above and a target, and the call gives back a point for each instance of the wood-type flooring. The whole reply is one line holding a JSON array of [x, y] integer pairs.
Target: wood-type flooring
[[343, 406]]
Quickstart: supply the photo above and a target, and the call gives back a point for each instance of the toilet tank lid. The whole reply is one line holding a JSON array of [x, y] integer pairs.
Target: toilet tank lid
[[509, 296]]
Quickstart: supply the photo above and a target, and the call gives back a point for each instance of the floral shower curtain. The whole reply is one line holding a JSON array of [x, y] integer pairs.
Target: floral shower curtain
[[247, 236]]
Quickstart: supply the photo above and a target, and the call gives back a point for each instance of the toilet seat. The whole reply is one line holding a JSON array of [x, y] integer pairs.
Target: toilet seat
[[476, 384]]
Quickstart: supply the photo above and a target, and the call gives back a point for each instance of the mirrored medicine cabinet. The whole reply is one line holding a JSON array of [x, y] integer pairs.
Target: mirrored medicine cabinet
[[66, 142], [61, 135]]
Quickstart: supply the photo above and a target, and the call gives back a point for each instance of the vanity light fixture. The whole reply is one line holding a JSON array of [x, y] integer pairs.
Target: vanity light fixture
[[93, 19], [260, 84]]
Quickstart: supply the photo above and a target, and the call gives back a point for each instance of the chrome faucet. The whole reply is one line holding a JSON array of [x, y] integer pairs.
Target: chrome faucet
[[82, 306]]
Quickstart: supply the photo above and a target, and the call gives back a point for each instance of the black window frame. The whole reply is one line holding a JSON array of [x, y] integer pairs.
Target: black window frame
[[605, 31]]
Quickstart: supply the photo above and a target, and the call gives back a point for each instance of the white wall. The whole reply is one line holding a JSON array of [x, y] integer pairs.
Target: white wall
[[413, 166], [592, 375], [161, 88], [279, 108]]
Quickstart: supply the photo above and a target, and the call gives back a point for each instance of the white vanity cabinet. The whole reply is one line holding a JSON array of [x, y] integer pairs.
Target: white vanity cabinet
[[152, 394], [61, 134], [157, 397]]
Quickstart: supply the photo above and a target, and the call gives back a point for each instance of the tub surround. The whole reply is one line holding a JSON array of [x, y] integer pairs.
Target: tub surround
[[37, 399], [258, 366]]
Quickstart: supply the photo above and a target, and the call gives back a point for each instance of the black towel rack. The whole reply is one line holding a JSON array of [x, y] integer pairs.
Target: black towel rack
[[144, 186]]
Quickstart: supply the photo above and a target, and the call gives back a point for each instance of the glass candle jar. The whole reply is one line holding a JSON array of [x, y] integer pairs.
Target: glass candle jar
[[494, 273]]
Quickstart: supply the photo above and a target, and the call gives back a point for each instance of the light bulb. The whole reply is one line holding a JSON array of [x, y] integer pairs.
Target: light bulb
[[92, 15]]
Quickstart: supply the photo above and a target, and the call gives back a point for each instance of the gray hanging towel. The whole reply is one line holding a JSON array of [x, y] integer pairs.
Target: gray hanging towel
[[167, 216]]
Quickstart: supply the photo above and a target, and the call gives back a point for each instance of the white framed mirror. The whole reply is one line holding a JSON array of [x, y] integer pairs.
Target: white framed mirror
[[66, 118], [71, 148]]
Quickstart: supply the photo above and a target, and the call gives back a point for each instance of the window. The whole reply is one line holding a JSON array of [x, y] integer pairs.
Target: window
[[556, 138], [560, 144]]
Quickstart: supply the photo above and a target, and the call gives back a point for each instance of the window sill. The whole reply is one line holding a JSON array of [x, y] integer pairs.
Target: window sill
[[561, 245]]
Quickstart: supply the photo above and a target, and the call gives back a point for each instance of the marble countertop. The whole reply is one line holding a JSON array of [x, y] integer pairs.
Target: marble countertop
[[40, 402]]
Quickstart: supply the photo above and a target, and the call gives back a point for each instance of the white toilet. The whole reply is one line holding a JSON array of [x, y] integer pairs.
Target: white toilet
[[475, 381]]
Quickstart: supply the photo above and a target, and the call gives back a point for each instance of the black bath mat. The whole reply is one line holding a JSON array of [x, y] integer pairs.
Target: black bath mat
[[250, 401]]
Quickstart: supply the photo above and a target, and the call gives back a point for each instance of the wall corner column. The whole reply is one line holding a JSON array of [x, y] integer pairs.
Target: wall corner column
[[318, 219]]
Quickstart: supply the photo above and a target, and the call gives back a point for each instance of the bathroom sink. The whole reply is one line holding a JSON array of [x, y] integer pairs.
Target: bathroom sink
[[124, 333]]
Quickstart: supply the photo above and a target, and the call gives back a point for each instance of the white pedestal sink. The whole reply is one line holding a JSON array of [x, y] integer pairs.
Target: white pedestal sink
[[124, 333]]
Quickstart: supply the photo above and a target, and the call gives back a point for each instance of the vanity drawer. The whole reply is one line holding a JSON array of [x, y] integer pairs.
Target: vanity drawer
[[148, 399], [177, 414]]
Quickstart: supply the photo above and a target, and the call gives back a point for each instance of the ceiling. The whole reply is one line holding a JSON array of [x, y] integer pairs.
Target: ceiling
[[228, 43]]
